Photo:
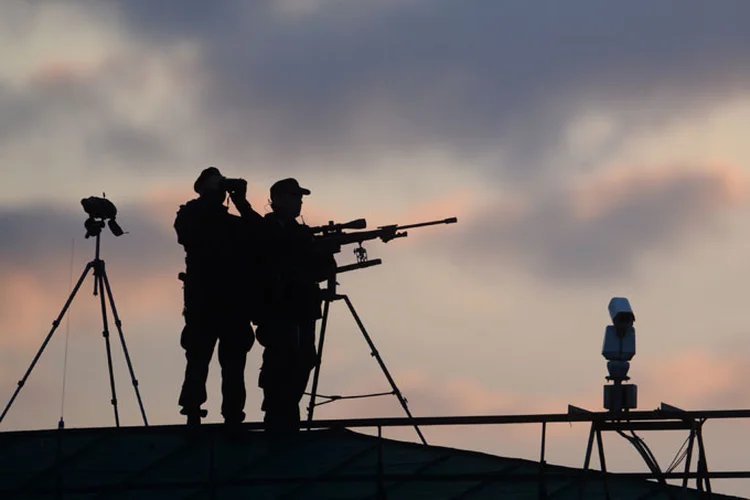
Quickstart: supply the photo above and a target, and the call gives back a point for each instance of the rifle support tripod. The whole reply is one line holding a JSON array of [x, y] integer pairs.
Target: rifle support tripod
[[101, 285], [330, 297]]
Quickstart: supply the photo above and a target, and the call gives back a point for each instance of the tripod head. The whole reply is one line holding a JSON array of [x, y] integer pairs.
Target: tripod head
[[99, 210]]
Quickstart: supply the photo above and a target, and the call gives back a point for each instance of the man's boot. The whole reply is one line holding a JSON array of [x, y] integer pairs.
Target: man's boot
[[194, 416]]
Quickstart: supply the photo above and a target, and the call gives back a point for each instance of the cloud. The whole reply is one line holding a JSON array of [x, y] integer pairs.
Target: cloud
[[499, 79], [146, 88], [40, 245], [119, 105], [34, 234], [696, 379], [75, 111], [598, 230]]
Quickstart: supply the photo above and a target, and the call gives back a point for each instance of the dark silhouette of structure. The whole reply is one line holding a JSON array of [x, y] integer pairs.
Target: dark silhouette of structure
[[99, 211], [218, 303], [329, 461]]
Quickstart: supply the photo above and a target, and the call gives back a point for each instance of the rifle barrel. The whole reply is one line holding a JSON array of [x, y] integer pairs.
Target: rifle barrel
[[449, 220]]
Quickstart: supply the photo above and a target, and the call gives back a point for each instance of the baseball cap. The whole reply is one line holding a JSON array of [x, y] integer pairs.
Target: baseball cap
[[288, 186]]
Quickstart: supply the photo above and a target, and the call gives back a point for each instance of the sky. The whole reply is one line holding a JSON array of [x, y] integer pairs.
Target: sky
[[589, 150]]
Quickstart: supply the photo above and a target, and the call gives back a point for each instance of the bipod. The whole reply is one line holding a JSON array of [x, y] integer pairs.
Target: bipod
[[101, 285], [331, 296]]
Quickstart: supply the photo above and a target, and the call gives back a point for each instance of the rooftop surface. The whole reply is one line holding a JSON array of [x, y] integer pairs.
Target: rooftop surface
[[167, 462]]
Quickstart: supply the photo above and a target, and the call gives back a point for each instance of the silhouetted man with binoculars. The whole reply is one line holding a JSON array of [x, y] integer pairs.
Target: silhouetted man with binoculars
[[220, 259]]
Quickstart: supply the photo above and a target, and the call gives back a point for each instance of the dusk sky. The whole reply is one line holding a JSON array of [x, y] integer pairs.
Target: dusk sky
[[589, 149]]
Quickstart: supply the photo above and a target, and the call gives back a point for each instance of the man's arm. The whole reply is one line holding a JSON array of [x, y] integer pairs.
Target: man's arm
[[239, 198]]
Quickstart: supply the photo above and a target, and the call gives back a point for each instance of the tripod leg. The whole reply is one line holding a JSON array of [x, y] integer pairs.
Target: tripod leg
[[375, 353], [98, 273], [319, 360], [55, 324], [118, 325]]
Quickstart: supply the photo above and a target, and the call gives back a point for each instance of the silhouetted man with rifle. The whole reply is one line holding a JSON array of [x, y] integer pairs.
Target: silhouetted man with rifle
[[293, 268], [219, 260]]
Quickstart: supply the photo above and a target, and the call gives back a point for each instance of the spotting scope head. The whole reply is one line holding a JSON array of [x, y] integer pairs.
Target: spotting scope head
[[99, 210]]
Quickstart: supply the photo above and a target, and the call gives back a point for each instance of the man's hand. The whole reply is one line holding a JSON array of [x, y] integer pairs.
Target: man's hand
[[239, 198], [239, 194]]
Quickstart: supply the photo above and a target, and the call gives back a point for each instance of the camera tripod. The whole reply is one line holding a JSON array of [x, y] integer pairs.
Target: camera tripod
[[101, 284], [331, 296]]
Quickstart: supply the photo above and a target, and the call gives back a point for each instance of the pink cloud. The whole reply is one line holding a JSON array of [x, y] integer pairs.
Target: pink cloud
[[164, 201], [712, 185], [150, 295], [61, 72], [574, 234], [695, 380], [459, 202], [29, 304]]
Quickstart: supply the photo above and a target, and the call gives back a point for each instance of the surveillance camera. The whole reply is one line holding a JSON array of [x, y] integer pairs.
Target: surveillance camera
[[621, 312], [618, 347]]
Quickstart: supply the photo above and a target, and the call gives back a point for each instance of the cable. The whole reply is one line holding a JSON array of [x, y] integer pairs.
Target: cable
[[331, 399], [679, 456], [643, 449], [682, 452], [61, 424]]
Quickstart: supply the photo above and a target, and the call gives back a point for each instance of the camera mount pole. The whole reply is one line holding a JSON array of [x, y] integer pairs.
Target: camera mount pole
[[101, 283], [331, 296]]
